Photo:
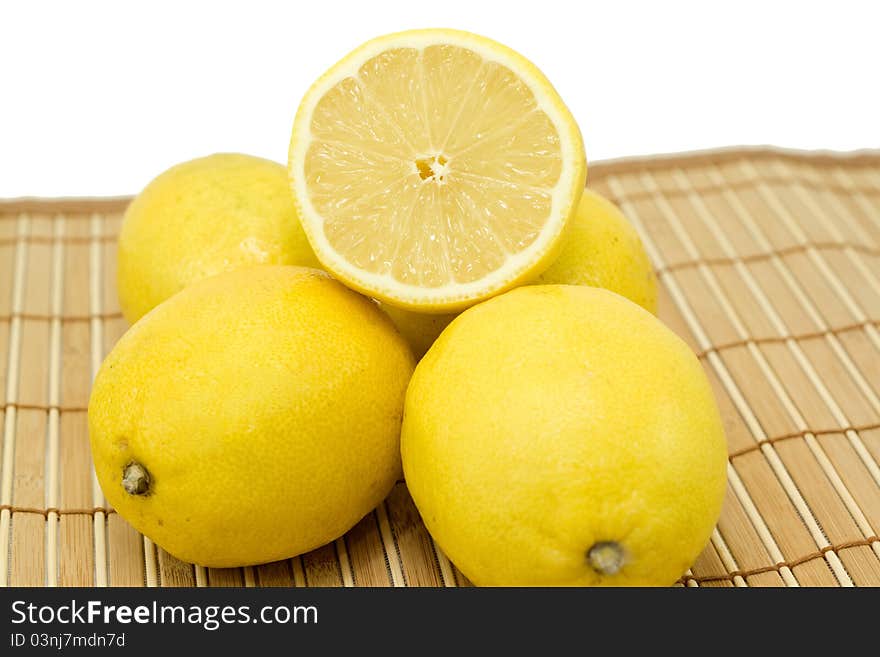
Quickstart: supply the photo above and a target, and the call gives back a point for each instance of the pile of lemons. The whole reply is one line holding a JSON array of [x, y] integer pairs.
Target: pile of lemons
[[426, 291]]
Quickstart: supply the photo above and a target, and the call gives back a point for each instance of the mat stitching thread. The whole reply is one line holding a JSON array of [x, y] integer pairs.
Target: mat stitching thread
[[778, 339], [784, 564], [41, 317], [745, 183], [57, 511], [43, 239], [801, 434], [43, 407], [758, 257], [853, 161]]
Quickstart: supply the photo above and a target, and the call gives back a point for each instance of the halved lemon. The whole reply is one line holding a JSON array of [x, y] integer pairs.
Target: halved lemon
[[435, 168]]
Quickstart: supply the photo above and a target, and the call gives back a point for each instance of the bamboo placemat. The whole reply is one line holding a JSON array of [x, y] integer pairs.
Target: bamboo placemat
[[769, 264]]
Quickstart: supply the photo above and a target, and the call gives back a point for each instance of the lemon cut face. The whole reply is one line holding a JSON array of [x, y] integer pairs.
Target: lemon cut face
[[435, 168]]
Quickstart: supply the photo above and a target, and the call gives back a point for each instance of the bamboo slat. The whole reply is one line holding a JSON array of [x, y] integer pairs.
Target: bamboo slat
[[769, 268]]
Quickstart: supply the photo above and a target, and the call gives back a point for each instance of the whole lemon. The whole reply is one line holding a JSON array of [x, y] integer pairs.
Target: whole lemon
[[203, 217], [251, 417], [601, 249], [562, 435]]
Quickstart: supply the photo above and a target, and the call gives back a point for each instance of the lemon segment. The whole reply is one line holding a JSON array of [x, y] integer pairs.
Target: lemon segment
[[435, 168]]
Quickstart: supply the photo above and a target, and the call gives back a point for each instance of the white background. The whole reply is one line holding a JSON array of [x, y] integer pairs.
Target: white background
[[98, 97]]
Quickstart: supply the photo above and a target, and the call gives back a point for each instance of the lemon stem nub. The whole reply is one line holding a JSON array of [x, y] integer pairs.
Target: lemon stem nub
[[135, 479], [606, 557]]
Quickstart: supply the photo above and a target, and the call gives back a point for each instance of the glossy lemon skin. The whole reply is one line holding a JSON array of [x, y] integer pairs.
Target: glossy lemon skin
[[554, 418]]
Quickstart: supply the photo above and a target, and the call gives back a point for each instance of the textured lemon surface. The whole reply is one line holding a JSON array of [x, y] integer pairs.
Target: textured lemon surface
[[265, 405], [601, 248], [203, 217], [562, 435], [434, 168]]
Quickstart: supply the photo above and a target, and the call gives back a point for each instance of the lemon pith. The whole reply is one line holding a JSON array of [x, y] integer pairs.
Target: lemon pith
[[581, 445], [434, 168]]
